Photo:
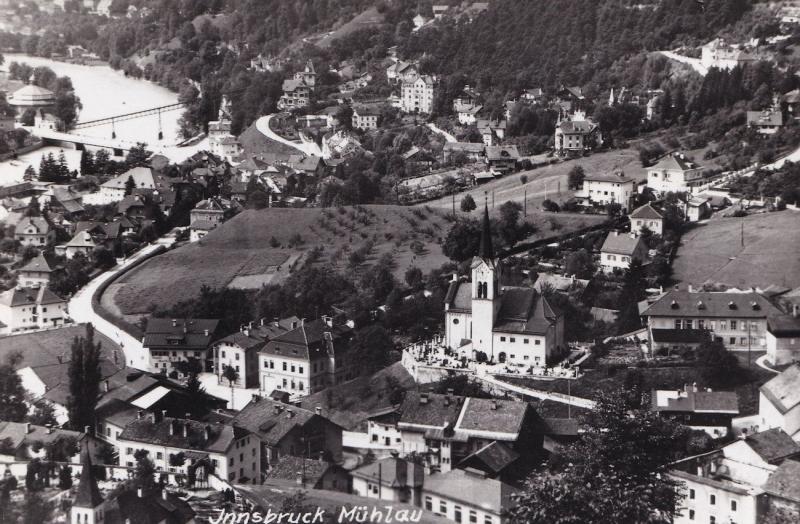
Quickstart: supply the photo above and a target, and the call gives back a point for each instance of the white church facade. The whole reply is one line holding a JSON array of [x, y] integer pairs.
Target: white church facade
[[508, 324]]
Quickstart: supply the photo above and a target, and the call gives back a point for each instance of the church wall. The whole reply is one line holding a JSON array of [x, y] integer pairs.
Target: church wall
[[517, 351], [458, 326]]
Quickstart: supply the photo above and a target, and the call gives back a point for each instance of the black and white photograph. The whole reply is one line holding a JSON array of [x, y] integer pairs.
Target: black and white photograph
[[399, 262]]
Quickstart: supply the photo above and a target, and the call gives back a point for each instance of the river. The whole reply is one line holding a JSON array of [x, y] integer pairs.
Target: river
[[103, 93]]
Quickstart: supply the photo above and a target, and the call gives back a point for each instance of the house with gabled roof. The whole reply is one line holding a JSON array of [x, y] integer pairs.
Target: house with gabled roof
[[177, 444], [601, 189], [36, 272], [82, 243], [620, 249], [648, 217], [114, 190], [675, 173], [30, 309], [576, 135], [704, 410], [681, 318], [308, 358], [779, 402], [33, 231], [392, 479], [517, 325], [285, 429], [169, 341], [783, 338], [468, 496]]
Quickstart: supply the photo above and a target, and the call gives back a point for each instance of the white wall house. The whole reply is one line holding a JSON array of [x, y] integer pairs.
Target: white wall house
[[417, 96], [674, 173], [607, 188], [779, 402]]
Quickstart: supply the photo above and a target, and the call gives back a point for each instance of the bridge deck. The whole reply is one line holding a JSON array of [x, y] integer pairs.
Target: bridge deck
[[127, 116]]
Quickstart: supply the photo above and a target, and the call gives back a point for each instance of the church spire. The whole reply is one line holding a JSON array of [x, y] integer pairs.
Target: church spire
[[486, 252], [88, 495]]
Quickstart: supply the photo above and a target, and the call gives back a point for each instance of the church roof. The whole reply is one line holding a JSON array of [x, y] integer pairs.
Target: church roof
[[524, 311], [486, 251], [88, 495]]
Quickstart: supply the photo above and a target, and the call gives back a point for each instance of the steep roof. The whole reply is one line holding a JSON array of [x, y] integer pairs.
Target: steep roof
[[142, 177], [783, 391], [309, 340], [430, 410], [88, 494], [680, 303], [29, 296], [674, 162], [524, 311], [82, 239], [696, 401], [784, 326], [495, 456], [38, 223], [493, 415], [168, 432], [37, 264], [502, 153], [486, 251], [183, 333], [288, 466], [785, 481], [622, 244], [773, 445], [472, 489], [128, 506], [271, 421], [619, 178], [646, 211]]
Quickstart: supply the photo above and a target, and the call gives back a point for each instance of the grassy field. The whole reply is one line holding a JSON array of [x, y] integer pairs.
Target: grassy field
[[549, 181], [771, 253]]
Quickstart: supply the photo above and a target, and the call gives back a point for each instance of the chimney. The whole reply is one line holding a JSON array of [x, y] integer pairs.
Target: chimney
[[294, 324], [164, 494], [447, 400], [277, 409], [140, 493], [616, 233], [328, 320], [494, 404], [61, 359], [690, 289], [172, 427], [28, 427], [318, 410], [289, 413], [699, 471], [139, 414], [49, 428], [256, 397], [105, 385], [205, 332], [300, 479], [454, 277], [163, 414], [207, 433], [185, 429], [174, 322]]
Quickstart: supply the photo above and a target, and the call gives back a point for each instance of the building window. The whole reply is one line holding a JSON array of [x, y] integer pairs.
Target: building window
[[537, 342], [428, 503], [502, 339], [487, 519], [455, 321], [733, 505], [732, 341], [733, 324], [512, 339], [473, 516], [284, 366], [712, 499], [691, 514], [443, 507], [525, 341], [223, 354], [457, 513], [691, 494]]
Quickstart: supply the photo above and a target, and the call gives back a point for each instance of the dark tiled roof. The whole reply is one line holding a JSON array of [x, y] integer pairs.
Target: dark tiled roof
[[495, 456], [393, 472], [524, 311], [711, 304], [152, 507], [145, 430], [700, 402], [309, 340], [189, 333], [430, 409], [674, 162], [497, 416], [38, 264], [783, 391], [784, 326], [646, 211], [459, 296], [88, 494], [288, 466], [28, 296], [622, 244], [785, 481], [272, 420], [773, 445]]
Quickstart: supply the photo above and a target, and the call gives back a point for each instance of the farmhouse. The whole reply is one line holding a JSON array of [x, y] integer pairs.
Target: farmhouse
[[674, 173], [33, 231], [471, 151], [169, 341], [507, 324], [502, 159], [646, 217], [492, 131], [738, 319], [767, 122], [619, 250]]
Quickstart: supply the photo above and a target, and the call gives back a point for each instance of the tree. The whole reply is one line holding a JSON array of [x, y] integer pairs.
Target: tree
[[144, 474], [43, 413], [468, 204], [373, 344], [36, 509], [130, 185], [12, 395], [230, 374], [616, 472], [720, 367], [137, 156], [84, 380], [65, 477], [576, 177], [414, 277], [633, 292], [579, 263]]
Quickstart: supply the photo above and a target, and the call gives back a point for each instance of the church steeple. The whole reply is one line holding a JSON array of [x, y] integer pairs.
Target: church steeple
[[88, 495], [486, 251]]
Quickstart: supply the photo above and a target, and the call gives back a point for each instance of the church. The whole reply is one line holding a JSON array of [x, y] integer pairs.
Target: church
[[508, 324]]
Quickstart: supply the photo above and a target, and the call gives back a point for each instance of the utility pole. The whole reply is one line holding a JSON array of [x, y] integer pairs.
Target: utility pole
[[492, 198], [454, 205], [742, 236], [569, 403], [525, 203]]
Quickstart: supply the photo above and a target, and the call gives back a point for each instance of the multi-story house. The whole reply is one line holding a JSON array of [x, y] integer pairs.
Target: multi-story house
[[491, 131], [601, 189], [297, 91], [308, 358], [783, 338], [467, 496], [169, 341], [208, 215], [402, 72], [674, 173], [507, 324], [240, 350], [648, 217], [175, 444], [685, 317], [36, 272], [619, 250], [31, 308], [285, 429], [417, 96], [365, 117], [576, 135], [115, 189], [33, 231], [734, 483], [447, 428]]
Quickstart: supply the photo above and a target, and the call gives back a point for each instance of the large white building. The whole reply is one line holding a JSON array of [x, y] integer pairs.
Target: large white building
[[674, 173], [779, 402], [417, 96], [601, 189], [28, 309], [507, 324]]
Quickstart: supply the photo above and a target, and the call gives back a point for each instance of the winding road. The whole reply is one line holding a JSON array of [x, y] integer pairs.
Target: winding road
[[307, 148]]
